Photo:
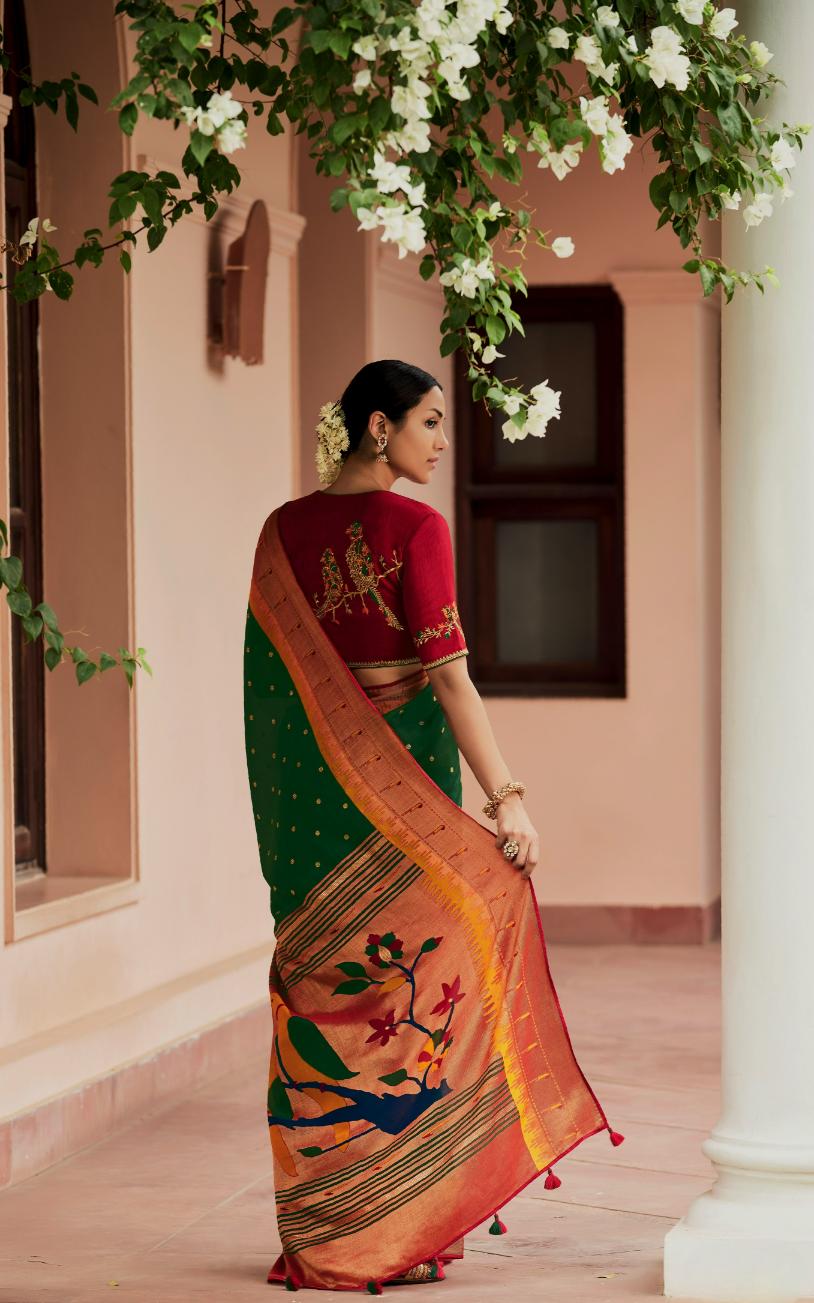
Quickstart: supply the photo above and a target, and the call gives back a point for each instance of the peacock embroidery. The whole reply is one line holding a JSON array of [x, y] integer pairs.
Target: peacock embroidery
[[364, 575]]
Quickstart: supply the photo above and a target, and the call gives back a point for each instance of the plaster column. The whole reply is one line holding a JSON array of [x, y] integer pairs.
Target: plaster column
[[751, 1237]]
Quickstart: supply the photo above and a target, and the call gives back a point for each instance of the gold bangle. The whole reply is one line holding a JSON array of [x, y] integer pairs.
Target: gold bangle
[[490, 808]]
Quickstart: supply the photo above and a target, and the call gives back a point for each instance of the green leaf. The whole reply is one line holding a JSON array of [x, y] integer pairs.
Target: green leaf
[[88, 92], [127, 118], [61, 282], [84, 671], [495, 330], [11, 570], [52, 657], [730, 120], [190, 35], [427, 267], [32, 624], [19, 602], [107, 662], [310, 1151], [394, 1078], [278, 1101], [431, 943], [708, 278], [354, 987], [344, 127], [353, 969], [4, 532], [312, 1046], [125, 260], [151, 201], [201, 146], [702, 152]]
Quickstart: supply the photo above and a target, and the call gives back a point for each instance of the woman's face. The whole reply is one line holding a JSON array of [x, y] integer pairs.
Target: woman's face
[[414, 450]]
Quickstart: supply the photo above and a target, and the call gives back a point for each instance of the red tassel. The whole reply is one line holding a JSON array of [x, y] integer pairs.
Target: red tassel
[[442, 1275], [498, 1227], [552, 1181], [616, 1137], [373, 1287]]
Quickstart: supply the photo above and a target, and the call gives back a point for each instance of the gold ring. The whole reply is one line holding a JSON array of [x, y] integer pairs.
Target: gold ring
[[510, 849]]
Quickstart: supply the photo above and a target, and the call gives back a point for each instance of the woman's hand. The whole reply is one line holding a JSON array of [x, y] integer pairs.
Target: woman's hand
[[513, 824]]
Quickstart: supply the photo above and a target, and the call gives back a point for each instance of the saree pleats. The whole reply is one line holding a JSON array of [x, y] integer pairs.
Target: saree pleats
[[421, 1072]]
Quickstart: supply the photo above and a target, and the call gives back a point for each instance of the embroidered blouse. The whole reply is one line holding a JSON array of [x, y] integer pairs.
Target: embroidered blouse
[[378, 570]]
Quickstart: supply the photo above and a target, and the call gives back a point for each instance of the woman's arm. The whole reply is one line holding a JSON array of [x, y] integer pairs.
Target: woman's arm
[[466, 713]]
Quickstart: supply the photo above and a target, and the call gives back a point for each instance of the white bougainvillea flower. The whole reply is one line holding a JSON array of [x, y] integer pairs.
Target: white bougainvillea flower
[[587, 51], [692, 11], [546, 405], [615, 145], [782, 155], [595, 113], [759, 54], [490, 353], [665, 58], [365, 47], [563, 246], [560, 161], [231, 136], [362, 79], [467, 278], [722, 23], [731, 199], [32, 232], [606, 16], [558, 38], [760, 207], [221, 107]]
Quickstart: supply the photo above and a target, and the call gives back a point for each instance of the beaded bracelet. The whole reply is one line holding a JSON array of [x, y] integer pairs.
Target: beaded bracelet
[[490, 808]]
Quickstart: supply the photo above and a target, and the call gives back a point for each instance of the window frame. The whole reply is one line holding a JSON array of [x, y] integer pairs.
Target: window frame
[[486, 494]]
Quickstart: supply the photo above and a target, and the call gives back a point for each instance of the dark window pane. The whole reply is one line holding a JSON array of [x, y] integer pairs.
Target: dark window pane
[[564, 354], [547, 591]]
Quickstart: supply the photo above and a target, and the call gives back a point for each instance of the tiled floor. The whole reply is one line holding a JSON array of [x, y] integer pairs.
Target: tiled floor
[[179, 1207]]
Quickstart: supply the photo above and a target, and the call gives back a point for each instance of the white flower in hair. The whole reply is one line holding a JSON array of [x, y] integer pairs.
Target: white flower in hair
[[332, 441]]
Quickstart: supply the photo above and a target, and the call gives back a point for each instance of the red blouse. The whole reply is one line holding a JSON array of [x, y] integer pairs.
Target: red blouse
[[378, 570]]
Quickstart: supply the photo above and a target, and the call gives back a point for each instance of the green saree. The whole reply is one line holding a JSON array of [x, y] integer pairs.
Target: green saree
[[421, 1072]]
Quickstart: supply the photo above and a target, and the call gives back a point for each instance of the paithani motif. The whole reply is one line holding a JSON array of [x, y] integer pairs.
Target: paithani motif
[[364, 575], [451, 623]]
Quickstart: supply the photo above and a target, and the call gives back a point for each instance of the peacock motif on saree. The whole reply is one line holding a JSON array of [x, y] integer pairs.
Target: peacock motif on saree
[[364, 575]]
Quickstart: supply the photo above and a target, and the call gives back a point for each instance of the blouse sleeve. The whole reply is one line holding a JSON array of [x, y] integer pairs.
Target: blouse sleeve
[[429, 593]]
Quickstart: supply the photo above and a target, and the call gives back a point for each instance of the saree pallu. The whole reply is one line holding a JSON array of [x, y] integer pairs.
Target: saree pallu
[[421, 1072]]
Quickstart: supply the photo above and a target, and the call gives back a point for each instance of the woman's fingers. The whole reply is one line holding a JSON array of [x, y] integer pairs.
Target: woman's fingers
[[527, 857]]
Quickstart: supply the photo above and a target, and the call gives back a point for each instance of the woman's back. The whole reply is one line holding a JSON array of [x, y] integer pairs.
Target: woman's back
[[378, 571]]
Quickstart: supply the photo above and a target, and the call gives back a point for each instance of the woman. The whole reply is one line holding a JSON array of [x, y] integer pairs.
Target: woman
[[421, 1071]]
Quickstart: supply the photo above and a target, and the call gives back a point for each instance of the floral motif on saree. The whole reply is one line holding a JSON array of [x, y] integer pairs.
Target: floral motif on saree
[[421, 1072]]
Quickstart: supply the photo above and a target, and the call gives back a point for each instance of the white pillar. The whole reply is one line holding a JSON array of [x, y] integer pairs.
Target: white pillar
[[751, 1237]]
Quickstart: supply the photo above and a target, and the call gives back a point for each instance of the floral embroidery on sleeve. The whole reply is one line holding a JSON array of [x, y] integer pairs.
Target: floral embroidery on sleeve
[[448, 626]]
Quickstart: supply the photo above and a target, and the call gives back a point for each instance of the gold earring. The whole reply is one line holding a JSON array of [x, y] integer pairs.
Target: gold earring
[[381, 443]]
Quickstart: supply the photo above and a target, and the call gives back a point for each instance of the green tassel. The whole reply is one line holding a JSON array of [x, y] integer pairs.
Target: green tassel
[[497, 1227]]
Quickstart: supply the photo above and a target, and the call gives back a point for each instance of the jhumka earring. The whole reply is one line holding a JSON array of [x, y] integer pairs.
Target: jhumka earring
[[381, 442]]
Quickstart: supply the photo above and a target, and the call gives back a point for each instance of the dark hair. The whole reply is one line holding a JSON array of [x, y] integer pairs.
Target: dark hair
[[387, 386]]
